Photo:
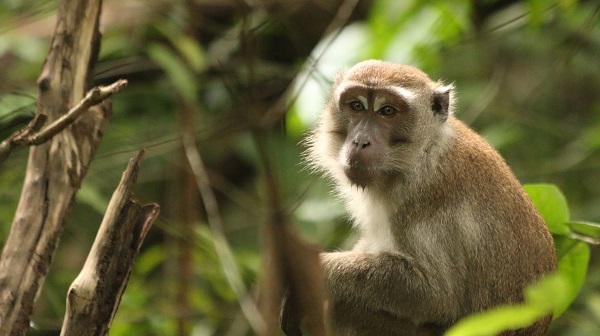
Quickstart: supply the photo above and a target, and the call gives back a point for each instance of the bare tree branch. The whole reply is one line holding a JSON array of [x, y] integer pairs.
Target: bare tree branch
[[32, 135], [94, 97], [95, 294]]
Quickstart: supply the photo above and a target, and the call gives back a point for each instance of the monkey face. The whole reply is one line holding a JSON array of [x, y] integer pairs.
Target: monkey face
[[380, 119], [374, 122]]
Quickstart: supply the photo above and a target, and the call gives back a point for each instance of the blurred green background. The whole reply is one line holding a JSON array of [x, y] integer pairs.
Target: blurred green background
[[527, 74]]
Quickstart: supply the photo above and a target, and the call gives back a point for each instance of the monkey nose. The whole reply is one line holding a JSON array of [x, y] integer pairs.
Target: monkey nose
[[361, 143]]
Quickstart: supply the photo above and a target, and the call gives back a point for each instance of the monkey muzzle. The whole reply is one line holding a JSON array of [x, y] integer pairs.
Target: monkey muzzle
[[361, 165]]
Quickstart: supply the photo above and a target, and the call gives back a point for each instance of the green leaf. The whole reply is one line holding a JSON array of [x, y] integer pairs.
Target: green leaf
[[150, 260], [501, 134], [187, 47], [551, 293], [494, 321], [537, 9], [567, 4], [574, 257], [388, 19], [293, 123], [586, 231], [92, 196], [552, 205], [542, 298], [191, 51], [16, 105], [176, 70]]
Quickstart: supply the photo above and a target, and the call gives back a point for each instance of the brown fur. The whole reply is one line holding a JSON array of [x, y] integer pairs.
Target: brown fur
[[447, 229]]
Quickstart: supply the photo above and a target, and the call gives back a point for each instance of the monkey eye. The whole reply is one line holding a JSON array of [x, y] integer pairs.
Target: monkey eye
[[387, 111], [356, 105]]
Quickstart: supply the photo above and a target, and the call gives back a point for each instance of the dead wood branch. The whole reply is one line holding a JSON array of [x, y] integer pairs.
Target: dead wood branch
[[31, 135], [55, 169], [95, 294]]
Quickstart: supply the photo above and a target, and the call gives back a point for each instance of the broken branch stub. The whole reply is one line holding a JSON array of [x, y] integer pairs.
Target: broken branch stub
[[95, 294]]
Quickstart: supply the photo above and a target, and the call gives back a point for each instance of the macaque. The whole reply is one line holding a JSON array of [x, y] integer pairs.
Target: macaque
[[446, 230]]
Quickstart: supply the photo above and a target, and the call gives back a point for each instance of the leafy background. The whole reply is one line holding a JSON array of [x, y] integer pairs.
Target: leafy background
[[527, 75]]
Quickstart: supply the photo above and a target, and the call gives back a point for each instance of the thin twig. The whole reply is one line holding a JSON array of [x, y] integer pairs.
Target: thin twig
[[230, 268], [31, 135], [94, 97]]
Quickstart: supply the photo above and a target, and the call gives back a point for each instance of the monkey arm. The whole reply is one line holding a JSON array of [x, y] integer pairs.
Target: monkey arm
[[391, 282]]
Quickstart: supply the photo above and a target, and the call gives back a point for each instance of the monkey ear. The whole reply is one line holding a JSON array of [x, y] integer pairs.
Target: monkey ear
[[440, 102]]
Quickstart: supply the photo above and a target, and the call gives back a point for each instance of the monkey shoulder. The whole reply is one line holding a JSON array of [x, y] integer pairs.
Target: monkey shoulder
[[473, 166], [496, 201]]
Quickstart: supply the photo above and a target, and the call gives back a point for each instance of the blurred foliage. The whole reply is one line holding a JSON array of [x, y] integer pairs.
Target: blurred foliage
[[527, 74]]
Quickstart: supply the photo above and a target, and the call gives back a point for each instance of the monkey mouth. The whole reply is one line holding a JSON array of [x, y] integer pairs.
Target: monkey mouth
[[360, 175]]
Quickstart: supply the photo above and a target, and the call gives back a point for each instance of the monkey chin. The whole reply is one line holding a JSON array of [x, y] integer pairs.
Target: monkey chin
[[360, 176]]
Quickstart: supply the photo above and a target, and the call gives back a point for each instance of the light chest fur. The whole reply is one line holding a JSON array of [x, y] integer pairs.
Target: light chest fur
[[372, 218]]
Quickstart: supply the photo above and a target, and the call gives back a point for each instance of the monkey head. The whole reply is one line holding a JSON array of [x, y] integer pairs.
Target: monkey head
[[379, 119]]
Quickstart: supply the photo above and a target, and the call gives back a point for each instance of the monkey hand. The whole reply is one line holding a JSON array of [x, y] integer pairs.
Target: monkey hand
[[290, 316]]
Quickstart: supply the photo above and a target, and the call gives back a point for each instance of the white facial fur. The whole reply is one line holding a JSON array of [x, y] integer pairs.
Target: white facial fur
[[363, 100], [408, 95], [379, 102]]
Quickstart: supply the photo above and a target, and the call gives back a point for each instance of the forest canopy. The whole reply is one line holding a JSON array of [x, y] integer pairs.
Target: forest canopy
[[248, 79]]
